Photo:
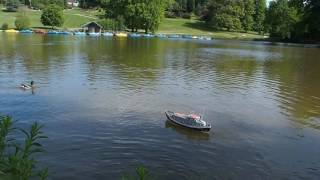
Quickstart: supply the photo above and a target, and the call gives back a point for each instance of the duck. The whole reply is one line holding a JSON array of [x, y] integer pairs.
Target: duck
[[27, 86]]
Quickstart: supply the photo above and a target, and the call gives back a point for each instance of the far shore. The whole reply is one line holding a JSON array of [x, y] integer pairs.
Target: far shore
[[267, 40], [76, 17]]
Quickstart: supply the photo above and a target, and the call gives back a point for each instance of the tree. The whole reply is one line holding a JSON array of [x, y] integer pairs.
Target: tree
[[52, 16], [190, 5], [281, 19], [92, 3], [142, 14], [222, 14], [259, 15], [298, 28], [312, 19], [248, 12], [153, 15], [22, 22], [115, 8]]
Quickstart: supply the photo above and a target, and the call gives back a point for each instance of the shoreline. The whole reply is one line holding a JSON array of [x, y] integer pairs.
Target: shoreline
[[177, 35]]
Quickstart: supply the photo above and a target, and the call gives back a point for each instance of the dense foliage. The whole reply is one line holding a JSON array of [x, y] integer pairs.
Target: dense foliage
[[17, 159], [137, 14], [184, 8], [35, 4], [91, 3], [280, 19], [4, 26], [116, 24], [52, 16], [22, 22], [229, 14], [259, 15], [296, 20]]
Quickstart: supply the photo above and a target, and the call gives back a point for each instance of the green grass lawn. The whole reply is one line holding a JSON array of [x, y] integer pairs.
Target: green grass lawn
[[74, 18], [195, 27]]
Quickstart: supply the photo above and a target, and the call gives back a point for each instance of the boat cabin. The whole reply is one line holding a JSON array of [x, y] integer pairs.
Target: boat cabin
[[92, 27]]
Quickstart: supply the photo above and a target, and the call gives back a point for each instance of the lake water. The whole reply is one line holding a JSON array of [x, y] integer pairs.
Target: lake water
[[102, 101]]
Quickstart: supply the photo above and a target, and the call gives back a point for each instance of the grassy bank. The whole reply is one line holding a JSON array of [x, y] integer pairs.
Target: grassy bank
[[74, 18], [195, 27]]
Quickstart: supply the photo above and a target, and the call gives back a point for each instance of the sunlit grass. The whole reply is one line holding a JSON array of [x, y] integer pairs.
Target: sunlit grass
[[74, 18], [196, 27]]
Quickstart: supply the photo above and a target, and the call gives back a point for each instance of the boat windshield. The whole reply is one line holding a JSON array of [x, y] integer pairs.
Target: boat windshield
[[191, 119]]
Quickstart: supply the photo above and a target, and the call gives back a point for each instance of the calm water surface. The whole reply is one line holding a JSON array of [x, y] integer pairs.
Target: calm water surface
[[102, 101]]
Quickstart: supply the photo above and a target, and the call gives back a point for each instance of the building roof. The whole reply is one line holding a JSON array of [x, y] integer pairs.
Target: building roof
[[92, 22]]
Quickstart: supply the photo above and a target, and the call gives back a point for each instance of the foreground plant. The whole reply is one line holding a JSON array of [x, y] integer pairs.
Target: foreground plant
[[142, 173], [17, 160]]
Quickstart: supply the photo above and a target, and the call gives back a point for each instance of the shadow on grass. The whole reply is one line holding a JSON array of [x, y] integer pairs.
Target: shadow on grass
[[199, 26], [10, 11], [100, 16], [206, 28]]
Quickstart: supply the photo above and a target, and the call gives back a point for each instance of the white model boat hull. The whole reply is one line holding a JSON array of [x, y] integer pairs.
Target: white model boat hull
[[199, 128]]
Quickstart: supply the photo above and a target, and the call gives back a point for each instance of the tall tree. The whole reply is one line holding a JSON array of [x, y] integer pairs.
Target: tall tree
[[312, 19], [259, 15], [138, 14], [190, 5], [281, 19], [223, 14], [52, 16], [247, 14], [298, 28]]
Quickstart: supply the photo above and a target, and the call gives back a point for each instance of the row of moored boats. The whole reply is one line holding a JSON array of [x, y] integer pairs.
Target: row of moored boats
[[110, 34]]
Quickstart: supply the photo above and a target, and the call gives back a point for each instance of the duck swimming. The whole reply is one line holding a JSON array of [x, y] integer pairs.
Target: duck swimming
[[27, 86]]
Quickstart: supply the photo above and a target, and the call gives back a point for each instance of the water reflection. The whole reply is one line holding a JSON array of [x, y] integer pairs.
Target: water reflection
[[290, 73], [296, 81], [110, 92], [188, 133]]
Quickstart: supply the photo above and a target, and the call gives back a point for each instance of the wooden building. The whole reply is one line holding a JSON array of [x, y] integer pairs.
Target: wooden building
[[92, 27]]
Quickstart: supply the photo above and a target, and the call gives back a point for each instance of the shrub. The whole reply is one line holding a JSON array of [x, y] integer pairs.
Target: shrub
[[17, 160], [141, 174], [52, 16], [4, 26], [186, 15], [22, 22], [169, 14], [108, 24], [120, 23], [198, 10], [113, 24]]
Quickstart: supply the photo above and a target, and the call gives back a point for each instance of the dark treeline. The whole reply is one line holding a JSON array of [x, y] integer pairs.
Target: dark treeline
[[295, 20], [292, 20], [36, 4]]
